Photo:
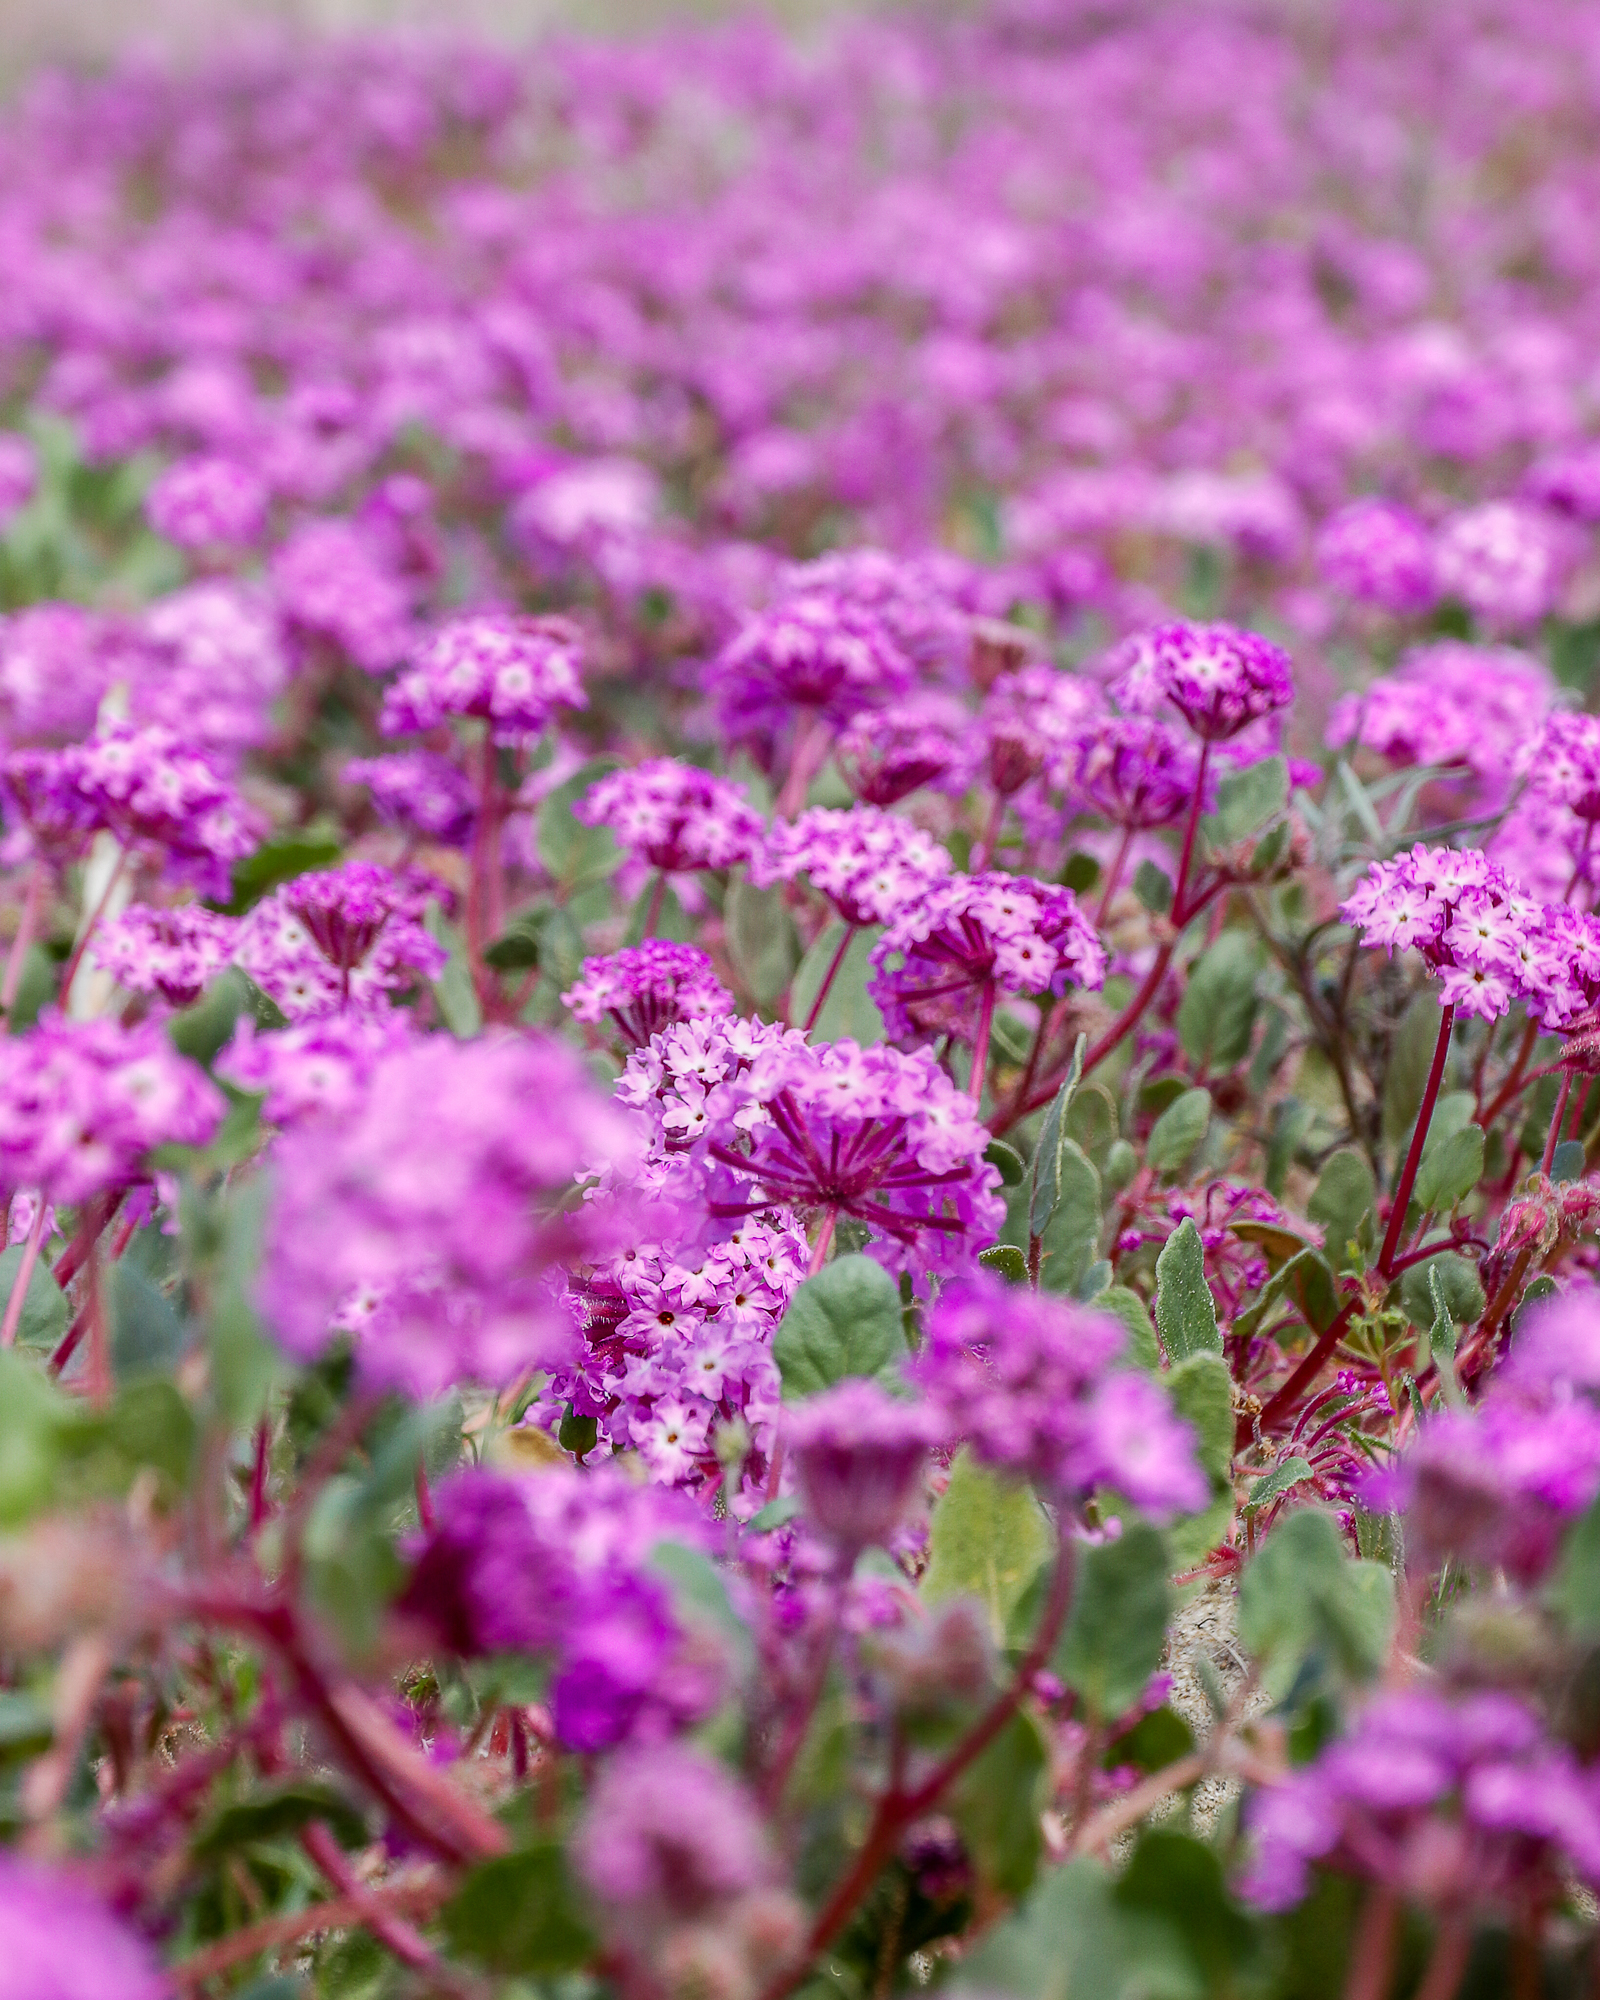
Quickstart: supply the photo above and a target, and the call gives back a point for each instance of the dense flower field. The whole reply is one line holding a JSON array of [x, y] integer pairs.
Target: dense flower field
[[796, 856]]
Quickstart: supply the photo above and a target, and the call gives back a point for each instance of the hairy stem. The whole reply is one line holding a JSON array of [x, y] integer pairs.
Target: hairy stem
[[1419, 1138], [24, 1277], [828, 978]]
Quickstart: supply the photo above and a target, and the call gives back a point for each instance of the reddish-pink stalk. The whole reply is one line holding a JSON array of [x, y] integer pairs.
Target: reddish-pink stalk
[[658, 895], [828, 978], [1113, 876], [1553, 1136], [823, 1244], [990, 834], [810, 740], [980, 1044], [1408, 1173]]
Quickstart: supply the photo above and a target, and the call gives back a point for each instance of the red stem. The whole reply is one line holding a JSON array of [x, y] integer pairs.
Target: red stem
[[1553, 1137], [980, 1045], [658, 895], [823, 1244], [89, 929], [24, 1277], [1190, 832], [828, 978], [1408, 1173], [27, 924], [1113, 876]]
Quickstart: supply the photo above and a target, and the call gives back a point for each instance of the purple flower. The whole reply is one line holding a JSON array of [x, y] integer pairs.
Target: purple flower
[[816, 655], [514, 672], [174, 953], [56, 662], [1035, 1385], [557, 1564], [1450, 1802], [1218, 678], [1137, 770], [887, 753], [668, 1834], [1479, 936], [869, 864], [425, 1222], [333, 588], [316, 1068], [58, 1941], [418, 789], [975, 936], [208, 503], [675, 817], [343, 938], [648, 987], [858, 1454], [1563, 762], [1379, 554], [83, 1102], [1500, 561], [876, 1134], [211, 662]]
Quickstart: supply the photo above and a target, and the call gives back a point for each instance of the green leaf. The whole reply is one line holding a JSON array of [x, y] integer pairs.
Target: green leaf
[[1442, 1339], [1307, 1282], [1410, 1058], [244, 1362], [520, 1914], [1291, 1121], [1052, 1138], [988, 1539], [45, 1312], [1153, 887], [149, 1424], [1457, 1280], [1202, 1393], [1176, 1877], [844, 1321], [997, 1804], [762, 943], [1218, 1009], [574, 853], [519, 946], [1121, 1601], [1186, 1313], [777, 1514], [1575, 1588], [1568, 1161], [1178, 1131], [1302, 1595], [1288, 1472], [1071, 1940], [275, 1812], [700, 1596], [146, 1336], [1160, 1737], [453, 991], [33, 1416], [1012, 1167], [201, 1031], [297, 851], [1344, 1194], [849, 1013], [1068, 1244], [1451, 1168], [1247, 799], [1125, 1304], [1006, 1261]]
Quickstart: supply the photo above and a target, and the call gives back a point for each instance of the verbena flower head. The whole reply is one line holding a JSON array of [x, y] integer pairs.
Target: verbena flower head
[[1029, 721], [515, 672], [1137, 770], [1477, 933], [83, 1102], [322, 1067], [1448, 1802], [419, 791], [669, 1834], [1037, 1387], [1563, 762], [1218, 678], [1379, 554], [210, 664], [870, 865], [815, 654], [858, 1455], [976, 934], [208, 503], [1496, 1484], [62, 1943], [877, 1135], [1451, 704], [159, 795], [334, 590], [1500, 561], [341, 938], [557, 1563], [674, 816], [172, 953], [429, 1221], [885, 754], [648, 987], [56, 662]]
